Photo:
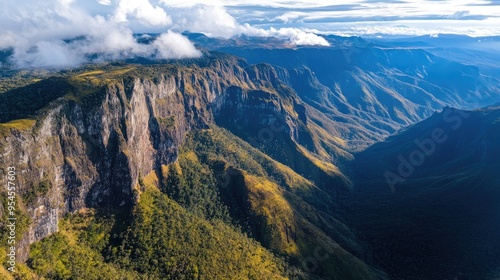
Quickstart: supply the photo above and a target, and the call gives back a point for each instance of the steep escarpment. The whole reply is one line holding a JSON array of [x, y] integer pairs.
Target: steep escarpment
[[275, 120], [111, 140], [92, 139]]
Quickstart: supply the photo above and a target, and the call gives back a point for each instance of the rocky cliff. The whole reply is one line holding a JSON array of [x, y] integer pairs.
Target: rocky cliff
[[91, 146], [87, 139]]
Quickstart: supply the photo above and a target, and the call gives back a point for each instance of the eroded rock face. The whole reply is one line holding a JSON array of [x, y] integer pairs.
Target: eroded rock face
[[93, 154], [90, 148]]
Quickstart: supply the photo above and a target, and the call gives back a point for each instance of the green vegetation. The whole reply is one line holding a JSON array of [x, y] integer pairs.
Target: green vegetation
[[219, 149], [182, 233], [167, 123], [19, 125], [188, 220], [22, 124], [165, 241], [101, 77], [162, 241], [449, 204], [193, 186], [22, 222], [74, 251], [25, 94], [275, 212], [4, 274], [273, 204], [24, 102], [11, 79], [35, 191]]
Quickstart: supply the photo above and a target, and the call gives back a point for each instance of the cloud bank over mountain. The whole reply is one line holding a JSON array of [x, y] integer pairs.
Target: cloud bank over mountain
[[65, 33]]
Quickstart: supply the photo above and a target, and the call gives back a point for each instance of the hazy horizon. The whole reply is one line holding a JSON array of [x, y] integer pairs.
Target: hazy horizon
[[38, 32]]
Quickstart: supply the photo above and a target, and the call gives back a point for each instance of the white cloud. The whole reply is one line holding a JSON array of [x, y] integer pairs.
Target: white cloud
[[8, 39], [142, 10], [215, 21], [473, 28], [296, 36], [209, 19], [191, 3], [104, 2], [471, 17], [300, 38], [356, 17], [38, 30], [48, 53], [174, 45], [290, 16]]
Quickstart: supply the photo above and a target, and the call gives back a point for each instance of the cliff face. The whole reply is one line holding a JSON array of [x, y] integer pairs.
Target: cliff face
[[101, 132], [91, 150]]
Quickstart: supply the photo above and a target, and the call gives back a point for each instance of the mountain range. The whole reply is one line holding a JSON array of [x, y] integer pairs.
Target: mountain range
[[362, 160]]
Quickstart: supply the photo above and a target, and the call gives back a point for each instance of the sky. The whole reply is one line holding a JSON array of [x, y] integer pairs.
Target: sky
[[38, 31], [368, 17]]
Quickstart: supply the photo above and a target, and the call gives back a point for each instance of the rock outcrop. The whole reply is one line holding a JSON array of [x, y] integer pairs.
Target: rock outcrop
[[92, 142]]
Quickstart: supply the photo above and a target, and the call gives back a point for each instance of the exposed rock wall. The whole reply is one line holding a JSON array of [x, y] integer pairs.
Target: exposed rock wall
[[94, 154], [91, 147]]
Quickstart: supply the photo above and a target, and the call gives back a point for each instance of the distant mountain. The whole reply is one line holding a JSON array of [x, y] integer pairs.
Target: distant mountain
[[427, 199], [373, 91], [481, 52], [485, 43]]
